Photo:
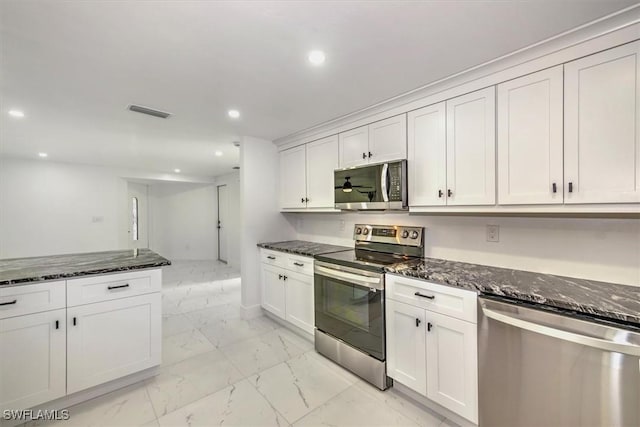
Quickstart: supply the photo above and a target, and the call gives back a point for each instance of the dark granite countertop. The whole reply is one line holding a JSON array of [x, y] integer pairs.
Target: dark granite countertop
[[302, 247], [28, 270], [606, 301]]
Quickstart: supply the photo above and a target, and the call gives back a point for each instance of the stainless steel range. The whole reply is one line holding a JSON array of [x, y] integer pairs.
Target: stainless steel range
[[350, 302]]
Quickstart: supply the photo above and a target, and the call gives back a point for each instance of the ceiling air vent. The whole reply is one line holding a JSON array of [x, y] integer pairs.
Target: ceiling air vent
[[148, 111]]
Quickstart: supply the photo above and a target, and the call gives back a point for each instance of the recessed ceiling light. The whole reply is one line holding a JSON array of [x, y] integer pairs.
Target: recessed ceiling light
[[16, 113], [43, 155], [218, 153], [176, 170], [234, 114], [317, 57]]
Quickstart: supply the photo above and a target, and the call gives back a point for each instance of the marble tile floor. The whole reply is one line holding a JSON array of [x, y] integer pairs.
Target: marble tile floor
[[221, 370]]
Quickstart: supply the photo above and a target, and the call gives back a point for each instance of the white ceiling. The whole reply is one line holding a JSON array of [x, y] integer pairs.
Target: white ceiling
[[74, 66]]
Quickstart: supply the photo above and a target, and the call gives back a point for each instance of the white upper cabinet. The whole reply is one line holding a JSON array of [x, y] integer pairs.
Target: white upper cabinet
[[378, 142], [293, 191], [427, 155], [471, 146], [354, 147], [602, 127], [530, 139], [322, 160], [388, 139]]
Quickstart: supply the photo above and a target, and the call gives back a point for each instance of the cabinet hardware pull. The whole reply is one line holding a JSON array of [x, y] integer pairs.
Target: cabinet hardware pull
[[429, 326], [364, 155], [57, 324], [284, 277], [74, 321], [280, 276], [449, 193], [418, 294], [440, 193], [271, 257], [555, 187], [370, 155], [418, 321], [571, 187], [306, 200], [117, 287], [302, 200], [299, 264], [9, 302]]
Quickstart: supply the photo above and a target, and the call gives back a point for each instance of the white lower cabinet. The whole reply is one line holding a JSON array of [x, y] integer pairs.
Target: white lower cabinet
[[111, 339], [433, 353], [287, 289], [32, 359], [406, 356], [452, 364]]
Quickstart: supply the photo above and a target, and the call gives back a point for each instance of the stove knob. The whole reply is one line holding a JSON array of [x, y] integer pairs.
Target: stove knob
[[405, 234], [365, 231], [414, 234], [358, 230]]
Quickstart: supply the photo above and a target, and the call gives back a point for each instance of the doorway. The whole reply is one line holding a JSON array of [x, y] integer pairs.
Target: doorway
[[223, 243], [138, 216]]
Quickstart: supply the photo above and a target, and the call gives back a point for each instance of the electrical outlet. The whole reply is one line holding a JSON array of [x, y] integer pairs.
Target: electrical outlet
[[342, 225], [493, 233]]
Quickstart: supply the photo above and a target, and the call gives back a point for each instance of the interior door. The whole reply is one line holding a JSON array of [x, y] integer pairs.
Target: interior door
[[223, 243], [138, 215]]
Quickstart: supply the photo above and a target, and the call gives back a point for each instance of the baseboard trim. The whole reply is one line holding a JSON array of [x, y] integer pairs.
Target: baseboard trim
[[418, 398], [250, 312]]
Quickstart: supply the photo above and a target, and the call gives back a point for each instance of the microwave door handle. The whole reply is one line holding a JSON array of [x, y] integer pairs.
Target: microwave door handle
[[384, 177]]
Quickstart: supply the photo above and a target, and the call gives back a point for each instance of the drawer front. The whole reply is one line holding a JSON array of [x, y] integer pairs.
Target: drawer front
[[27, 299], [88, 290], [300, 264], [454, 302], [274, 258]]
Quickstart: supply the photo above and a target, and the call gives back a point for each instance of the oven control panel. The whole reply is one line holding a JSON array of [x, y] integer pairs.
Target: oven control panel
[[394, 234]]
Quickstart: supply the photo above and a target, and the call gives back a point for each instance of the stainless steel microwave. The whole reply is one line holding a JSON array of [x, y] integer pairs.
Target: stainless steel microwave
[[373, 187]]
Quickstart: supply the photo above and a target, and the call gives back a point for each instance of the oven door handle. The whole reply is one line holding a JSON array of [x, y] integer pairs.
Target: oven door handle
[[363, 281]]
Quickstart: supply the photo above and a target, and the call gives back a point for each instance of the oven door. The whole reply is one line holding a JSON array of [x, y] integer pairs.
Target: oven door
[[349, 305]]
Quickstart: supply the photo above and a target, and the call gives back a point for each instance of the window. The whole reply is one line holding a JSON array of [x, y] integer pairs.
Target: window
[[134, 216]]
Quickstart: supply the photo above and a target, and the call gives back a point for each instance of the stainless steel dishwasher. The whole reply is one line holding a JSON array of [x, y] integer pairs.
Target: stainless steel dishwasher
[[543, 369]]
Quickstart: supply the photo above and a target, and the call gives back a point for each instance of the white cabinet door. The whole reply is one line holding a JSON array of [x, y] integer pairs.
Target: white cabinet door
[[471, 142], [452, 364], [406, 360], [32, 359], [388, 139], [293, 186], [299, 301], [273, 290], [354, 147], [322, 160], [108, 340], [602, 127], [530, 139], [427, 156]]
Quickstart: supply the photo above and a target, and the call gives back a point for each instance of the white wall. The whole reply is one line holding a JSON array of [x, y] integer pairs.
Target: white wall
[[183, 220], [233, 226], [49, 208], [599, 249], [261, 219]]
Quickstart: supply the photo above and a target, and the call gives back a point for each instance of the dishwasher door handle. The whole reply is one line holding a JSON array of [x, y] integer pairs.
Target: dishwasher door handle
[[602, 344]]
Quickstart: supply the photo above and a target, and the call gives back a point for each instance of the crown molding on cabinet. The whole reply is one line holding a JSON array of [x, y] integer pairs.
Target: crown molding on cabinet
[[607, 32]]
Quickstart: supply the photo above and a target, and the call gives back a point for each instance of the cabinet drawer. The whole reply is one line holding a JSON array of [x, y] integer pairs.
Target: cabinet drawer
[[300, 264], [114, 286], [273, 257], [454, 302], [26, 299]]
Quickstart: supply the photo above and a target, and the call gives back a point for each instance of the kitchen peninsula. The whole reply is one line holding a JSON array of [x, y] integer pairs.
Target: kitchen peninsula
[[76, 326]]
